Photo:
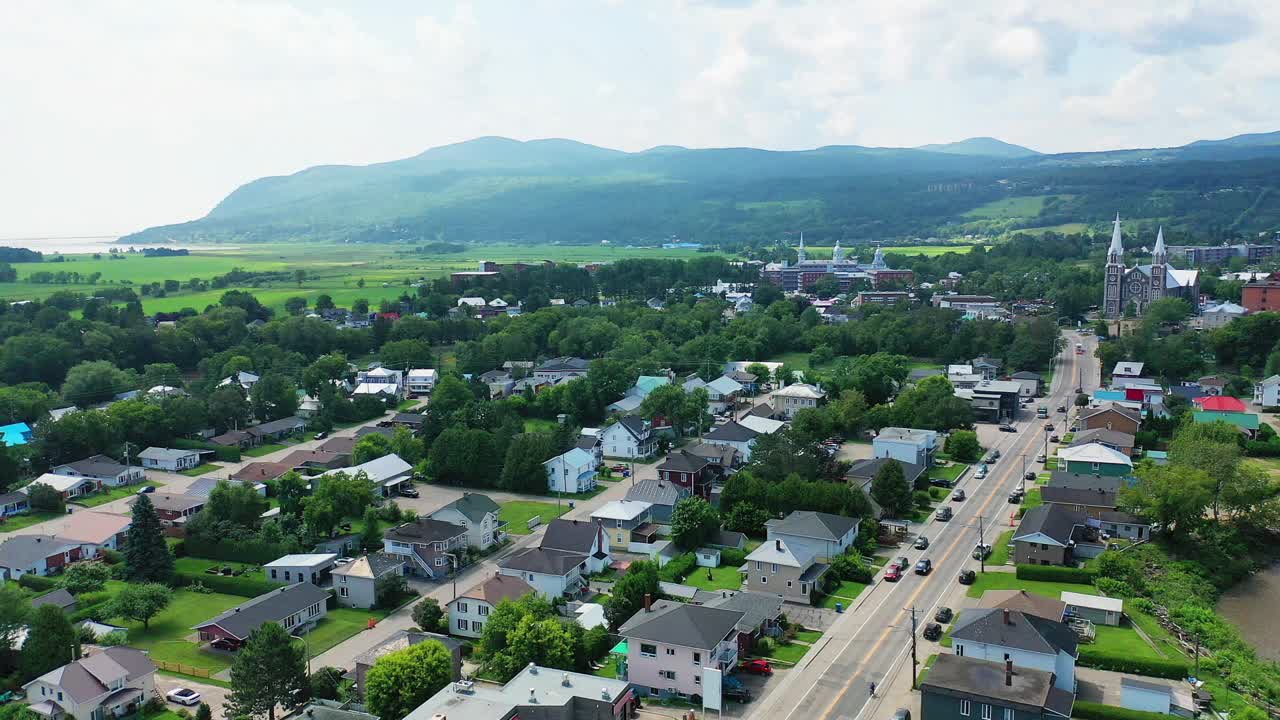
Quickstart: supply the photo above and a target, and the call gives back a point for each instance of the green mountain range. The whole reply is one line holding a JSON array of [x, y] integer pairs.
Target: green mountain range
[[498, 189]]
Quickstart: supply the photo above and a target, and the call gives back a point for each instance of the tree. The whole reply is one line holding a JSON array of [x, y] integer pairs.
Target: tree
[[629, 591], [291, 490], [146, 554], [1212, 448], [52, 641], [1081, 400], [325, 683], [406, 354], [236, 504], [204, 712], [228, 408], [962, 445], [523, 470], [299, 276], [693, 523], [389, 590], [889, 488], [746, 518], [94, 381], [321, 373], [339, 495], [273, 397], [1173, 497], [141, 602], [371, 447], [295, 305], [83, 577], [402, 680], [324, 301], [932, 405], [370, 533], [269, 670], [43, 498], [427, 615], [14, 613]]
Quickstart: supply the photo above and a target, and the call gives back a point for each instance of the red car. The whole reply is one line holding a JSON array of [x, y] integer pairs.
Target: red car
[[756, 667], [893, 574]]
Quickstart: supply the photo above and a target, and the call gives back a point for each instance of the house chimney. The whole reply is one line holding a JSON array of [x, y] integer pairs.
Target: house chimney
[[564, 679], [1008, 672], [777, 545], [648, 602], [1006, 617]]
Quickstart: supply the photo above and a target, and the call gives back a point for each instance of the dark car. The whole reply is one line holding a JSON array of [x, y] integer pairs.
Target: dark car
[[1029, 477], [940, 482], [147, 490], [1015, 497], [943, 615], [903, 563], [943, 514], [922, 543], [958, 495], [1008, 428], [932, 631], [995, 455], [1053, 438], [902, 714], [1062, 408], [924, 567], [1048, 426], [967, 577], [225, 644]]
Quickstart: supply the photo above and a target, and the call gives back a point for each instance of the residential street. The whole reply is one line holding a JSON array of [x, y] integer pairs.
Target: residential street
[[871, 641]]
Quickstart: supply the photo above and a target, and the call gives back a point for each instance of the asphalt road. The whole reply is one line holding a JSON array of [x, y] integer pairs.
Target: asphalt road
[[871, 642]]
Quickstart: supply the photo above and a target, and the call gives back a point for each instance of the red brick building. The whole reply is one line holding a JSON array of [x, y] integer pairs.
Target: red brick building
[[1261, 296]]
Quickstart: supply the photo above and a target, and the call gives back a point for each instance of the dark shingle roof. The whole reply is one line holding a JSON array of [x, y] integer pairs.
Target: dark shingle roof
[[968, 677], [1026, 375], [98, 465], [473, 506], [824, 526], [1082, 481], [695, 626], [635, 425], [289, 423], [1131, 414], [425, 530], [656, 492], [867, 469], [60, 598], [732, 432], [1078, 496], [269, 607], [1053, 520], [1104, 436], [572, 535], [1023, 631], [684, 461], [545, 561], [756, 607]]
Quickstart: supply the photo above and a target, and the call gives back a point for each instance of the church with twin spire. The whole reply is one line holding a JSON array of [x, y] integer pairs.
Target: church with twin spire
[[1134, 288]]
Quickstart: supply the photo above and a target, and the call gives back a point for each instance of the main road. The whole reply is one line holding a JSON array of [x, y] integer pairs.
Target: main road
[[871, 641]]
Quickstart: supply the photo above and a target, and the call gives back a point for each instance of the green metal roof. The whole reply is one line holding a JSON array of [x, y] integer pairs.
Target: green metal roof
[[1248, 421]]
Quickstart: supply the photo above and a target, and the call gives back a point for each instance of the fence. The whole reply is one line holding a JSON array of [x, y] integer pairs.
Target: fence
[[183, 669]]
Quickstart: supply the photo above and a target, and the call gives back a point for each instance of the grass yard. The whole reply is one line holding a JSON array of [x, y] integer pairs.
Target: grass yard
[[1009, 581], [1026, 206], [928, 665], [722, 578], [339, 625], [808, 636], [950, 472], [166, 638], [1032, 499], [102, 498], [26, 520], [264, 449], [609, 669], [1122, 642], [518, 512], [847, 592], [1163, 639], [539, 425], [199, 470], [790, 654], [407, 405], [1000, 549]]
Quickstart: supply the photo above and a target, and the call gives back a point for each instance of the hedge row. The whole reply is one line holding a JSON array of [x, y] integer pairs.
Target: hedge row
[[223, 453], [245, 551], [1168, 669], [733, 557], [227, 584], [678, 568], [37, 582], [1055, 573], [1095, 711]]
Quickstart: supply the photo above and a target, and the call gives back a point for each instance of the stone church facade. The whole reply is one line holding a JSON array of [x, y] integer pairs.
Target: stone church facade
[[1141, 285]]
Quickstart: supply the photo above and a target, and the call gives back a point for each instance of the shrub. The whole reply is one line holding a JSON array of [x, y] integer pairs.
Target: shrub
[[732, 557], [1170, 669], [223, 453], [763, 646], [1095, 711], [1113, 587], [37, 583], [229, 585], [248, 551], [679, 568], [111, 557], [923, 499], [851, 566], [115, 637], [179, 548], [1055, 573]]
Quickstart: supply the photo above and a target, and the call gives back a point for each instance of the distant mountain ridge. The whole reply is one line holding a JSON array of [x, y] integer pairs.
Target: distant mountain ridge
[[496, 188]]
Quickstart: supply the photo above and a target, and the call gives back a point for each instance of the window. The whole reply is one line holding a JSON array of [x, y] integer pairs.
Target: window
[[1008, 714], [273, 573], [647, 650], [697, 658], [804, 588], [775, 567], [986, 711], [343, 579], [462, 624], [482, 610], [476, 626], [286, 576], [671, 651], [618, 523], [439, 562], [668, 674], [462, 607], [758, 565], [960, 650], [764, 580], [964, 708], [788, 584], [697, 680]]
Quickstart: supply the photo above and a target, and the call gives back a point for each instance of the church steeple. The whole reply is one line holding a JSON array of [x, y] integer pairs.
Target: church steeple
[[1160, 255], [800, 253], [1115, 254], [837, 255], [1112, 298]]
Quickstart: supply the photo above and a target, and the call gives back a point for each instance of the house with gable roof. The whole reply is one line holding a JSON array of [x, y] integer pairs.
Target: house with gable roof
[[823, 536], [776, 568], [571, 472], [1095, 458], [1031, 641], [667, 650], [584, 537], [477, 513], [114, 682], [428, 546], [469, 611], [631, 437]]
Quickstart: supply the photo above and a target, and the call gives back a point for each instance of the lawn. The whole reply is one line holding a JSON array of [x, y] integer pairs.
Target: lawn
[[166, 638], [609, 669], [790, 654], [264, 449], [102, 498], [539, 425], [1026, 206], [950, 472], [928, 665], [1122, 642], [517, 513], [1009, 581], [339, 625], [25, 520], [722, 578], [199, 470], [809, 636], [407, 405], [1000, 549], [847, 592], [1032, 499]]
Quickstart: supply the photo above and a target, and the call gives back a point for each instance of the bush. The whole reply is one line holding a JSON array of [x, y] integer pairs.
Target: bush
[[111, 557], [37, 583], [179, 549], [763, 646], [732, 557], [113, 638], [923, 499], [679, 568], [247, 551], [1095, 711], [1054, 573], [221, 452], [1113, 588], [229, 585], [1170, 669], [851, 566]]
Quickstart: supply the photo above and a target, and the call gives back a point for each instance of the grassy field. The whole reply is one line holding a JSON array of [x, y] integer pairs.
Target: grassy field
[[18, 522], [264, 449], [1026, 206], [1063, 229], [166, 638], [1122, 642], [722, 578], [609, 669], [518, 512], [808, 636], [950, 472], [1000, 549], [539, 425], [338, 625], [789, 654], [102, 498], [1009, 581], [847, 592]]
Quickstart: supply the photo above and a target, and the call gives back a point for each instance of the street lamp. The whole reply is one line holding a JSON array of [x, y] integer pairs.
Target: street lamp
[[306, 644]]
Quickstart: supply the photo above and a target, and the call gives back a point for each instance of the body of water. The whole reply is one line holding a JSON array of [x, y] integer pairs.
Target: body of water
[[1251, 607], [90, 245]]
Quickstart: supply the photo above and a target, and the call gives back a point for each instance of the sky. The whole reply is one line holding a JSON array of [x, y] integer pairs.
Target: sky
[[116, 115]]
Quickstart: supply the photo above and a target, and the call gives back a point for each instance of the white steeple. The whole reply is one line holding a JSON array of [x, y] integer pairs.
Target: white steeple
[[800, 253], [1115, 254], [1160, 255]]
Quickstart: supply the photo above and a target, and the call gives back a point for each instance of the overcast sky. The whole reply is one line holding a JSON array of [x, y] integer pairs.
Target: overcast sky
[[115, 116]]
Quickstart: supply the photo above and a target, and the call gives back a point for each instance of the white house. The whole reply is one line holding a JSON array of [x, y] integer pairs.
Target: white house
[[572, 472], [630, 437], [307, 567], [171, 459], [356, 582], [246, 380], [103, 469], [735, 435], [471, 610], [380, 376], [421, 381], [552, 573], [1000, 634], [1267, 392], [1127, 370], [823, 536], [115, 682], [479, 515], [386, 473], [794, 398], [723, 392], [762, 425], [906, 445], [69, 486], [1219, 314]]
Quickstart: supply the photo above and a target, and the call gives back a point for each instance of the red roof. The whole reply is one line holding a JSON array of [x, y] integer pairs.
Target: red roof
[[1220, 403]]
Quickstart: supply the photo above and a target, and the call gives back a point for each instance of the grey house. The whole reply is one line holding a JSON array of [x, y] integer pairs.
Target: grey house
[[1030, 641], [1053, 535], [661, 495], [775, 568], [356, 582], [821, 535], [963, 688], [294, 607]]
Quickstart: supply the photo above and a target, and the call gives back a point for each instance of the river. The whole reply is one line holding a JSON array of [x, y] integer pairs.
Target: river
[[1251, 607]]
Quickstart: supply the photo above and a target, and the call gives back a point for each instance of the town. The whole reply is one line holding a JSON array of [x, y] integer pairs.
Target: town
[[802, 487]]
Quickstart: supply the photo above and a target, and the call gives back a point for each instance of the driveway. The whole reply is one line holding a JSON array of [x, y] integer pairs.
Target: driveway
[[211, 694]]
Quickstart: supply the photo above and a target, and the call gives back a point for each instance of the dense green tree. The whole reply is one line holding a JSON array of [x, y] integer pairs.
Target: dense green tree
[[693, 523], [78, 435], [92, 382], [141, 602], [237, 504], [370, 532], [427, 615], [1173, 497], [370, 447], [269, 670], [746, 518], [406, 354], [932, 405], [889, 488], [291, 489], [15, 610], [273, 397], [462, 456], [83, 577], [522, 471], [43, 498], [51, 642], [962, 445], [146, 554], [627, 597], [877, 376], [323, 372], [228, 408], [402, 680], [325, 683]]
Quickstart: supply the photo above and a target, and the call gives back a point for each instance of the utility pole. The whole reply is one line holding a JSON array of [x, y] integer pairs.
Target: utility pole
[[915, 663], [982, 555]]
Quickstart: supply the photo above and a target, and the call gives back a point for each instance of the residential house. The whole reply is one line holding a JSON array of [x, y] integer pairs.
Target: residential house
[[499, 382], [1094, 608], [341, 545], [631, 437], [260, 472], [36, 554], [234, 438], [275, 430], [387, 392], [987, 367], [114, 682], [170, 459], [821, 535], [296, 608], [1024, 602], [309, 567], [624, 405], [1030, 641], [421, 381], [356, 582], [1111, 416], [552, 573], [174, 509], [668, 650], [316, 459], [750, 383], [1119, 524], [722, 458], [68, 486], [735, 435], [1086, 481], [646, 384], [1220, 403], [1213, 384], [205, 485], [398, 640], [1217, 315], [471, 610], [536, 693], [661, 496], [591, 443], [1090, 502], [585, 537], [343, 445], [907, 445], [60, 598], [479, 515], [993, 400], [620, 517], [1053, 535], [761, 424], [386, 473], [688, 471], [561, 368], [1246, 423], [413, 422], [246, 380], [963, 376], [960, 688], [762, 615], [1126, 370], [1032, 383], [1156, 696], [1095, 458], [14, 503], [429, 547], [723, 393], [103, 469], [571, 472], [1115, 440], [378, 375], [1267, 392], [863, 472], [775, 568], [794, 398], [94, 531]]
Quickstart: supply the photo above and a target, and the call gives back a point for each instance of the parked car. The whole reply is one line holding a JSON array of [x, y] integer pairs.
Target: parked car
[[924, 567], [958, 495], [967, 577], [183, 696], [1015, 497], [758, 666], [932, 631], [922, 543], [1040, 457], [902, 562], [1008, 428], [893, 574], [981, 550], [902, 714], [1029, 476], [740, 693], [224, 644], [408, 491], [1053, 438], [618, 468], [147, 490], [943, 514], [1062, 408], [943, 615], [940, 482], [321, 435]]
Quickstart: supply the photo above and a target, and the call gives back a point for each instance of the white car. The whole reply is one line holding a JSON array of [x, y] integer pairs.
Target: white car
[[183, 696]]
